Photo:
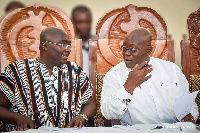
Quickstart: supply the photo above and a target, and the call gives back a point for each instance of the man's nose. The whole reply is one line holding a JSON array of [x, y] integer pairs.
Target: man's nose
[[127, 52]]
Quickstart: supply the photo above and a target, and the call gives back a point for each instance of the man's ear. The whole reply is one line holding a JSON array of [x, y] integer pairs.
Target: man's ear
[[150, 50]]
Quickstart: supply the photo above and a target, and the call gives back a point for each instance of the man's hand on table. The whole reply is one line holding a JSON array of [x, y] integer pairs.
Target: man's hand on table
[[76, 122], [188, 118], [23, 122]]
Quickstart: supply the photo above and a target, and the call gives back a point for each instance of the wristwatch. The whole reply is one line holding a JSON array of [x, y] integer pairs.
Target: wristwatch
[[84, 116]]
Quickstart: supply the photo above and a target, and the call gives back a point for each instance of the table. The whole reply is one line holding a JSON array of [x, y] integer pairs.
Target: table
[[100, 130]]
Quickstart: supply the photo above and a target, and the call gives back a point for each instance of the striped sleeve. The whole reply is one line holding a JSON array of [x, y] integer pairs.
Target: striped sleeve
[[7, 84], [85, 87]]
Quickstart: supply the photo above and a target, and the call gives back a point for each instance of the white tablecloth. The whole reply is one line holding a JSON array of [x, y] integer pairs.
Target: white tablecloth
[[101, 130]]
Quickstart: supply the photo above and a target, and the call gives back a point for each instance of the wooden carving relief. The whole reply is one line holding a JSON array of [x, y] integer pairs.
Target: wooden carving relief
[[113, 27], [20, 31], [194, 33], [190, 55], [99, 84]]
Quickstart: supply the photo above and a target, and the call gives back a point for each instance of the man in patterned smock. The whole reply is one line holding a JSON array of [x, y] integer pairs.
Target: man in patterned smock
[[48, 90]]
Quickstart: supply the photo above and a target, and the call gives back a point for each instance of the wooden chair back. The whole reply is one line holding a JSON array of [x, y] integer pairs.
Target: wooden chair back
[[20, 33]]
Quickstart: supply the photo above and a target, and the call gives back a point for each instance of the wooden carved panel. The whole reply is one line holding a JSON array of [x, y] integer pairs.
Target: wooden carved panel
[[190, 55], [113, 27], [194, 34], [20, 31], [99, 84]]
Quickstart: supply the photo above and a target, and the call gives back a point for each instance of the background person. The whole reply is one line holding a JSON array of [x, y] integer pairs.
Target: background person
[[82, 20], [14, 5]]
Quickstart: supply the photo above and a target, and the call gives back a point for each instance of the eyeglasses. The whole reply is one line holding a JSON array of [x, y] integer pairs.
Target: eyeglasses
[[132, 50], [65, 45]]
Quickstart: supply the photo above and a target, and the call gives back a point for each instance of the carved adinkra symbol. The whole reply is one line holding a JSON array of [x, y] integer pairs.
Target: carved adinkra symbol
[[20, 32], [116, 24]]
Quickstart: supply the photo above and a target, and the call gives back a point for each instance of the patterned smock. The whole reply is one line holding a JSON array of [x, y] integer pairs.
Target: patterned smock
[[51, 100]]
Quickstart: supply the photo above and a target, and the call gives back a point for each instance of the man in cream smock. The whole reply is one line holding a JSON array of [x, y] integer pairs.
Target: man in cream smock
[[143, 89]]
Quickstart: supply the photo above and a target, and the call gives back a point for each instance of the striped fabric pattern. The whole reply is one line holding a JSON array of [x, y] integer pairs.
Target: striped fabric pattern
[[51, 100]]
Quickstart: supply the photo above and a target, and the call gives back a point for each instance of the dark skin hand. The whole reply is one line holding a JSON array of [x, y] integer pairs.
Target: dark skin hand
[[188, 118], [23, 122], [75, 122], [89, 109], [137, 76]]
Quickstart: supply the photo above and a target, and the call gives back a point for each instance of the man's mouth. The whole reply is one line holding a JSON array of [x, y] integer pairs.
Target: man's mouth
[[128, 60], [64, 57]]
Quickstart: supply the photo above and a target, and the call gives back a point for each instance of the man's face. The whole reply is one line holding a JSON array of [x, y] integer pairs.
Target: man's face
[[140, 54], [57, 54], [82, 23]]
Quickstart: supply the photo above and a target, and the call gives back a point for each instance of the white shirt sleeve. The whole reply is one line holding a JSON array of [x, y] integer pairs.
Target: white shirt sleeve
[[114, 98]]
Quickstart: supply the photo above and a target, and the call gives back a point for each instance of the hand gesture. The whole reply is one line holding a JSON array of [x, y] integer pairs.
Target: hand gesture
[[76, 122], [137, 76]]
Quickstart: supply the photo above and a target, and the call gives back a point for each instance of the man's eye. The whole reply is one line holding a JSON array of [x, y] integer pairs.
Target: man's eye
[[133, 50]]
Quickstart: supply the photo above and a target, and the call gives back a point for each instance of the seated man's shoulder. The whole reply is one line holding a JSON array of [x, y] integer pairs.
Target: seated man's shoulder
[[117, 68], [164, 63], [23, 61]]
